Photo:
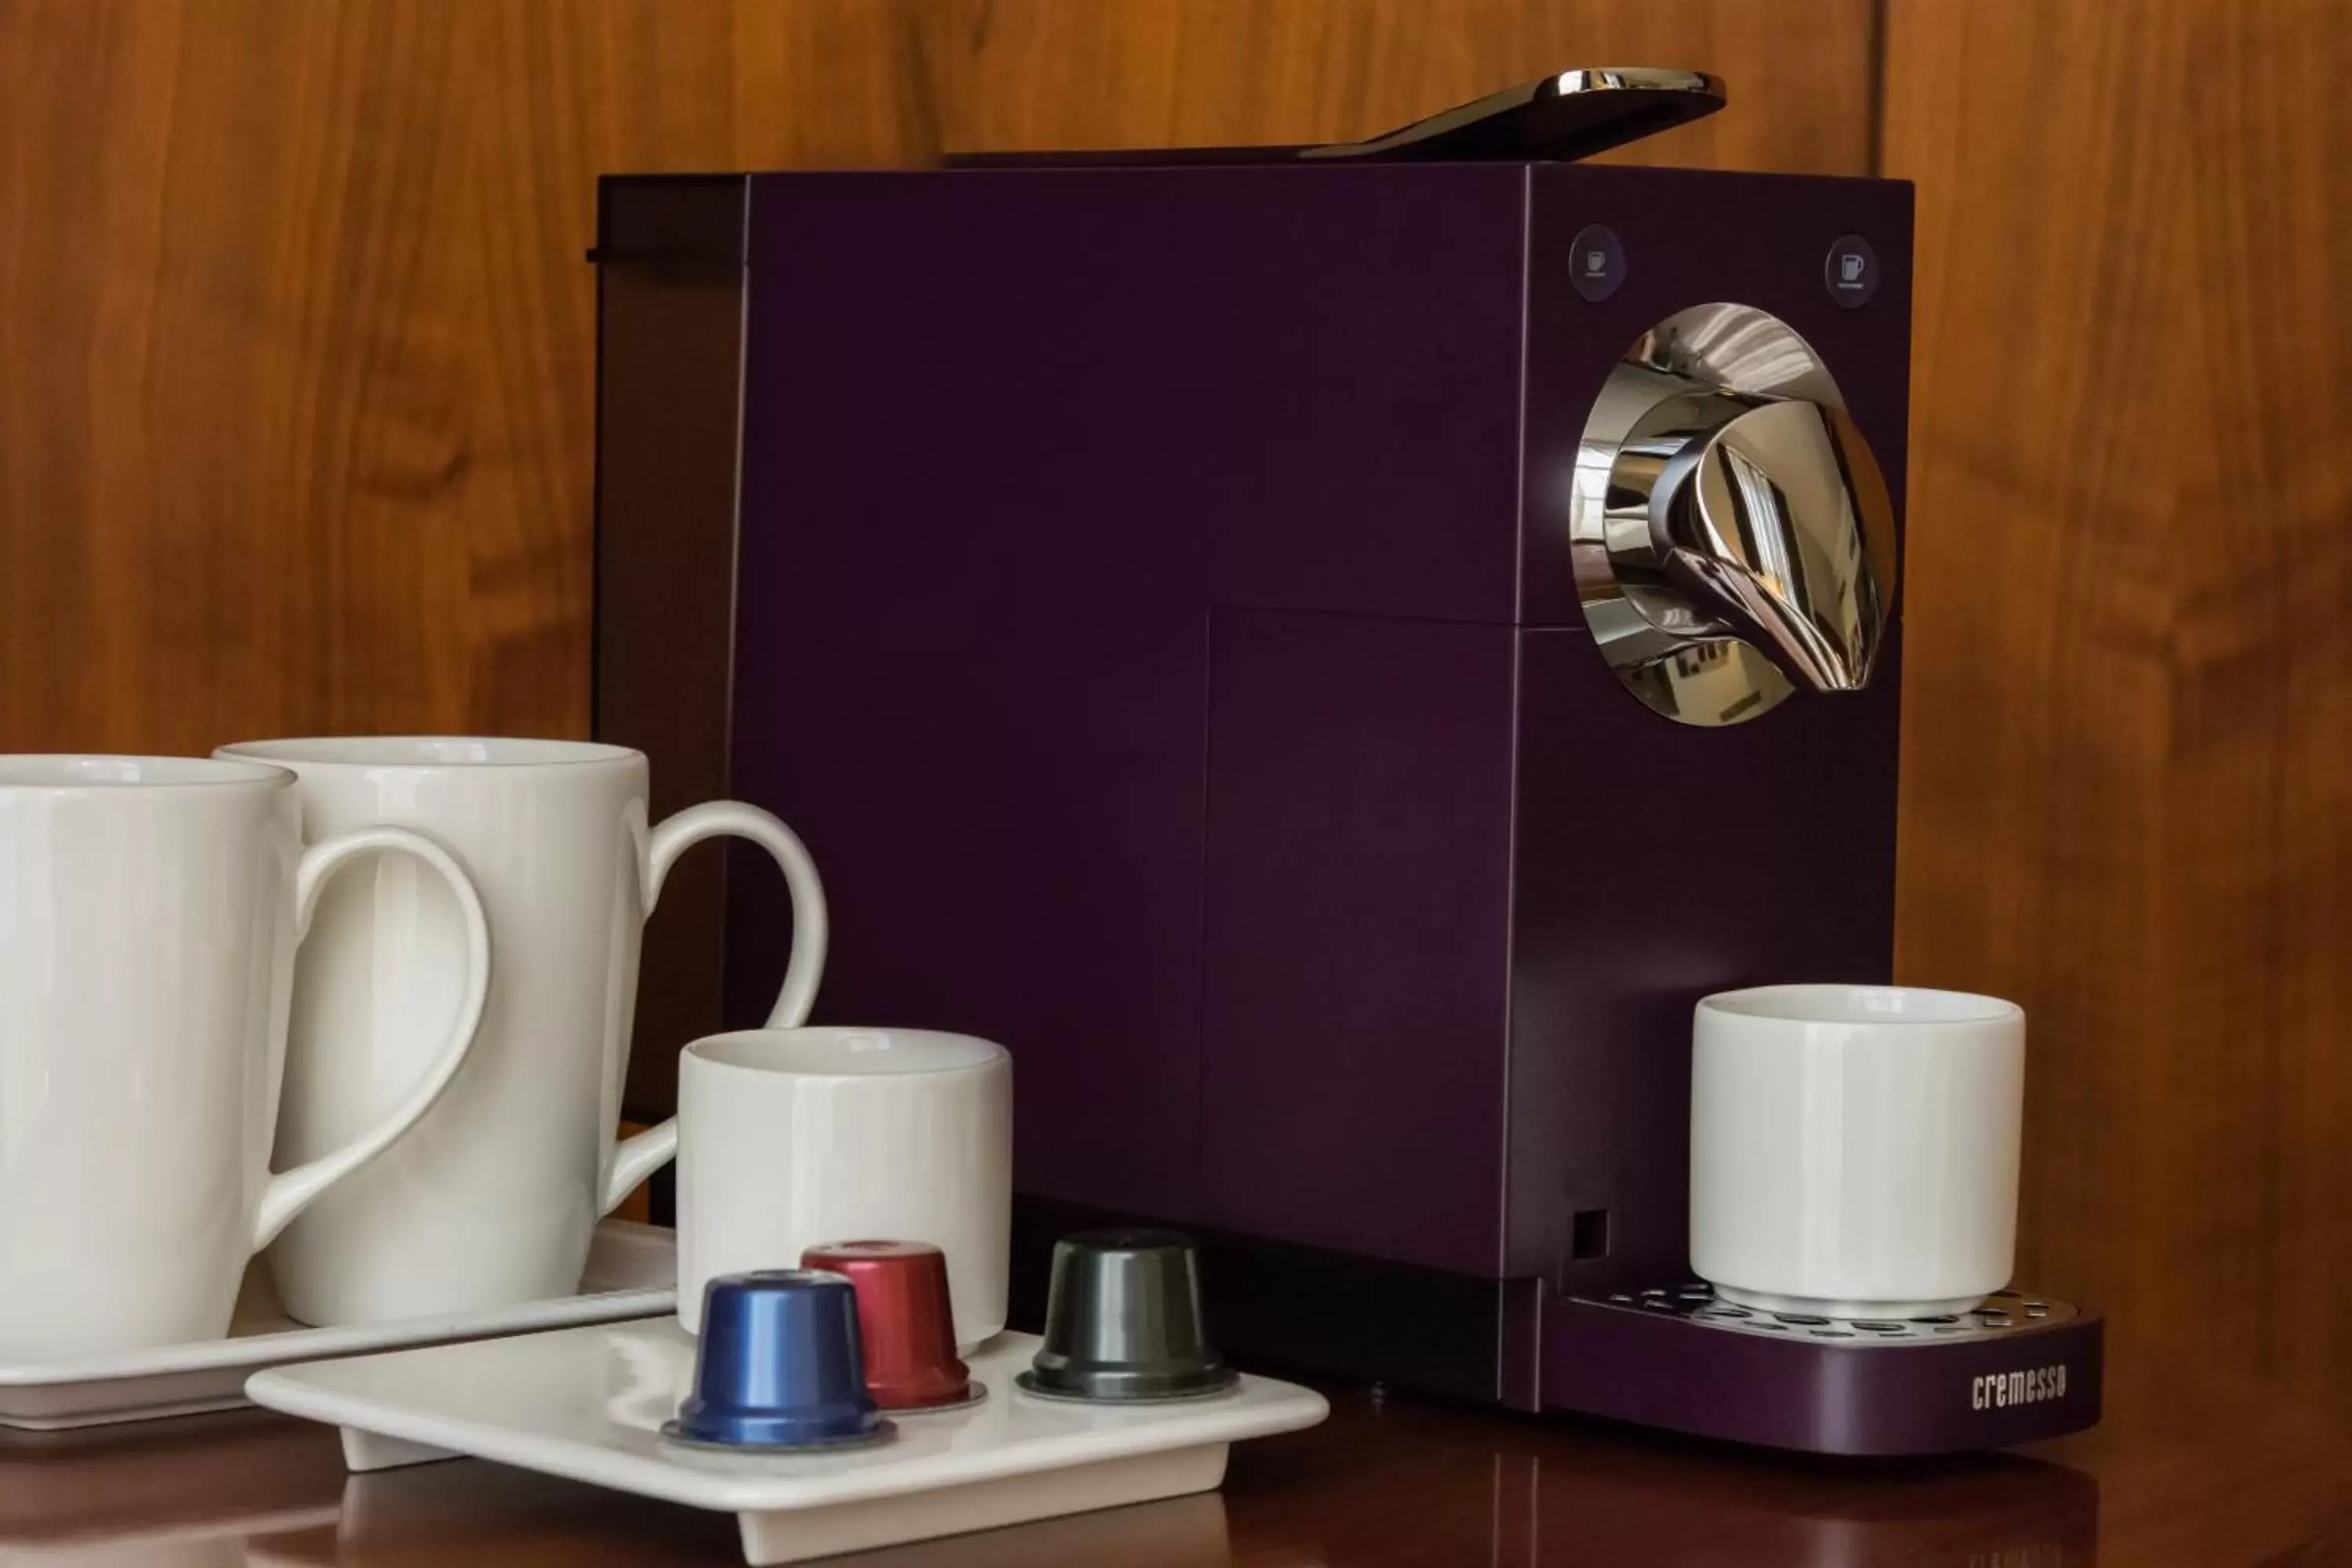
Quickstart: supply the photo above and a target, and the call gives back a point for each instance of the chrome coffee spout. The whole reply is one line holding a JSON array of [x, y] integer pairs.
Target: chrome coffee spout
[[1733, 536], [1765, 530]]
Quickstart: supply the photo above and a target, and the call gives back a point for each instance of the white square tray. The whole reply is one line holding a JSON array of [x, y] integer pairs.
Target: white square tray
[[587, 1404], [631, 1273]]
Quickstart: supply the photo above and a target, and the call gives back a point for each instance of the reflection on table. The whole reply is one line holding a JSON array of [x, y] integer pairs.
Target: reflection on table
[[2200, 1472]]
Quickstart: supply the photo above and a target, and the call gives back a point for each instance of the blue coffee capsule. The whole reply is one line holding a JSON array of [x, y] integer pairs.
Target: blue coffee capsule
[[779, 1365]]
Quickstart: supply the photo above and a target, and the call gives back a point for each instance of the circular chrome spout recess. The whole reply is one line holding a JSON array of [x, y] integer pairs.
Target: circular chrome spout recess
[[1732, 537]]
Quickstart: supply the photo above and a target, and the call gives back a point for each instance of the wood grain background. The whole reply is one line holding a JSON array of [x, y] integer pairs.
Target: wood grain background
[[296, 353], [2128, 764]]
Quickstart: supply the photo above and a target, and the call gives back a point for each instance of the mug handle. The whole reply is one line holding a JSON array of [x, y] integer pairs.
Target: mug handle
[[634, 1159], [290, 1192]]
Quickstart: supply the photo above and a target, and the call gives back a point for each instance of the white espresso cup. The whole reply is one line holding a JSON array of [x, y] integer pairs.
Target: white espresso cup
[[791, 1138], [1854, 1148], [493, 1201], [149, 912]]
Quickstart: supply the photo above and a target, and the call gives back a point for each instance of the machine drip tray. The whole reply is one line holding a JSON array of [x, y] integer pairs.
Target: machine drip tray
[[2002, 1312], [2019, 1368]]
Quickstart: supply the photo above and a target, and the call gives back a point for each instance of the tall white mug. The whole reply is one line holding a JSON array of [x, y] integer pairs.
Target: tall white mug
[[1854, 1148], [493, 1200], [791, 1138], [149, 912]]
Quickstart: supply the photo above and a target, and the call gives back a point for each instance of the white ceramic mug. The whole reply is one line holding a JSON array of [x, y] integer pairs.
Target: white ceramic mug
[[1854, 1148], [791, 1138], [149, 912], [493, 1201]]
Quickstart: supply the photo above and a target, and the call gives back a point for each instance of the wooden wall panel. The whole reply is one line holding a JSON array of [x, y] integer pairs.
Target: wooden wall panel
[[232, 476], [298, 337], [2128, 738]]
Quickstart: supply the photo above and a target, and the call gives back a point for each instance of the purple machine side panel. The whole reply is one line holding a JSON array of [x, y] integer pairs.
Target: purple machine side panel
[[1010, 439], [1656, 862]]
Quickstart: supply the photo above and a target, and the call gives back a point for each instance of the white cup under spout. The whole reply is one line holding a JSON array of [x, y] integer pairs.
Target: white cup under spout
[[1854, 1148]]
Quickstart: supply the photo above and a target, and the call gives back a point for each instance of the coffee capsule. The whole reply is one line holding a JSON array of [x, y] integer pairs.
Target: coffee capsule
[[905, 1320], [779, 1365], [1123, 1322]]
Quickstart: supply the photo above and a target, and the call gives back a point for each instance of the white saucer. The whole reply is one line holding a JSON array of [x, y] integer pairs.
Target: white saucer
[[588, 1405], [1816, 1306], [631, 1273]]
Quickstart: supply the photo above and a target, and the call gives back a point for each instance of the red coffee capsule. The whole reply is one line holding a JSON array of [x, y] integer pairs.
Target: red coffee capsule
[[903, 1315]]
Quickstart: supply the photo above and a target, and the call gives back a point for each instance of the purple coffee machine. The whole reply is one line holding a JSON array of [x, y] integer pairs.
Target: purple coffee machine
[[1326, 653]]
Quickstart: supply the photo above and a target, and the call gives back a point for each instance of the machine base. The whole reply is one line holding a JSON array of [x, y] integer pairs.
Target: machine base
[[2018, 1369]]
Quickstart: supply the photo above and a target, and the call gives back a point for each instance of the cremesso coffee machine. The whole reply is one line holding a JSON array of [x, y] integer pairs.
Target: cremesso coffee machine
[[1326, 653]]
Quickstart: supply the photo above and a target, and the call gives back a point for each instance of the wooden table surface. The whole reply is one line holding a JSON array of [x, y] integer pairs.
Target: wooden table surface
[[2192, 1470]]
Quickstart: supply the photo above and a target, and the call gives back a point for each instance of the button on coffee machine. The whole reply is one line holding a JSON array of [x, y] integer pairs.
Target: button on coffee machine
[[1329, 679]]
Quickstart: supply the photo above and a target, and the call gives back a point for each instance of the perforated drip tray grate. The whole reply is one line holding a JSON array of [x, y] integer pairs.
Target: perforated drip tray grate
[[2003, 1312]]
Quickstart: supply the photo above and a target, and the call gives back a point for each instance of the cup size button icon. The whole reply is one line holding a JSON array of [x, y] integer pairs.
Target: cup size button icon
[[1596, 262], [1850, 271]]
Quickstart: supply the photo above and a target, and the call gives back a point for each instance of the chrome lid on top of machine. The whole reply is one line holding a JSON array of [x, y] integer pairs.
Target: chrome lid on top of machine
[[1560, 118], [1732, 537], [1570, 115]]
